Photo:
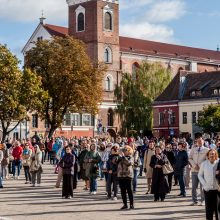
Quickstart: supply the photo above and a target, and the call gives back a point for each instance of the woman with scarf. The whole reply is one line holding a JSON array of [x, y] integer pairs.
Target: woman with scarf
[[92, 160], [125, 175], [159, 182], [36, 166]]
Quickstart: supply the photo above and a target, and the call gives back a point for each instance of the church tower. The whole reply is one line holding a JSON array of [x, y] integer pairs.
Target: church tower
[[96, 22]]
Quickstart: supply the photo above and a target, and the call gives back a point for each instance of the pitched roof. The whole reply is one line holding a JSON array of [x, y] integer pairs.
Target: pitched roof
[[205, 82], [138, 46], [168, 50], [56, 30], [171, 93], [181, 90]]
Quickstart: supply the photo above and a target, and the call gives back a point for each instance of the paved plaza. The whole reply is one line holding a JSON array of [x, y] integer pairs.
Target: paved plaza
[[19, 202]]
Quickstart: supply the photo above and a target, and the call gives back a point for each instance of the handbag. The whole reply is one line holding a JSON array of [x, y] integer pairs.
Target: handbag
[[167, 168]]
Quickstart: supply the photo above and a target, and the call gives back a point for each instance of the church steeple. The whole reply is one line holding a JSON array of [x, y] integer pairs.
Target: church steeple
[[42, 18]]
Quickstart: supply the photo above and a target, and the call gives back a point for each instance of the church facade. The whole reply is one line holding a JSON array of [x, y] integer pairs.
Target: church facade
[[96, 22]]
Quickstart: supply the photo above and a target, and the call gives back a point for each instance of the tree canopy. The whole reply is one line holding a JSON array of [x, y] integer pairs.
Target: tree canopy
[[73, 82], [20, 91], [135, 95], [209, 119]]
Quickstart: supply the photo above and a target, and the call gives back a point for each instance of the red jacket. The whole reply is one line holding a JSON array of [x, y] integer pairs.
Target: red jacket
[[17, 152], [50, 145]]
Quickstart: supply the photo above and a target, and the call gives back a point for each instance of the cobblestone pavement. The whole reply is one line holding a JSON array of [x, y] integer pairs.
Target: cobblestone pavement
[[20, 201]]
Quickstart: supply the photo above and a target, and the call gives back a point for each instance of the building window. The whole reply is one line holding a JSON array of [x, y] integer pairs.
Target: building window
[[110, 117], [193, 117], [200, 115], [35, 121], [108, 83], [184, 117], [39, 38], [193, 93], [81, 22], [86, 120], [67, 119], [161, 118], [172, 118], [215, 92], [108, 55], [46, 124], [76, 120], [108, 21]]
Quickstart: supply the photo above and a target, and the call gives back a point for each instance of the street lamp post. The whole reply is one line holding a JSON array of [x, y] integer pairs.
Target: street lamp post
[[169, 116]]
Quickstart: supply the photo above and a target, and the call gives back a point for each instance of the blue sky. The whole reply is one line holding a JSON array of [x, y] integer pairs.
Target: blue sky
[[187, 22]]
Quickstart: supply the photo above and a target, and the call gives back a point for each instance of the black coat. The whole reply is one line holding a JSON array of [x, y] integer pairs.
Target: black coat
[[171, 157], [67, 164], [181, 160], [159, 181]]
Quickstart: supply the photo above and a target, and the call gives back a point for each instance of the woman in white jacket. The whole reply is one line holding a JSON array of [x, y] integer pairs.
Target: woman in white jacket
[[207, 177]]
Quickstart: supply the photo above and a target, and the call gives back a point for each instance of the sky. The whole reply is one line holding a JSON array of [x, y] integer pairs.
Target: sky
[[186, 22]]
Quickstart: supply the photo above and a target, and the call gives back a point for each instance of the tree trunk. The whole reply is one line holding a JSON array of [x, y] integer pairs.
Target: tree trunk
[[51, 131], [4, 134]]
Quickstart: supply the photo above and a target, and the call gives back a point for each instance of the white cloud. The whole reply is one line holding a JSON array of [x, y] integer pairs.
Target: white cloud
[[148, 31], [30, 10], [166, 10], [127, 4]]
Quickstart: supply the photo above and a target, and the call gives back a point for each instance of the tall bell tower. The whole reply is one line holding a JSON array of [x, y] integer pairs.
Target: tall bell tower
[[96, 22]]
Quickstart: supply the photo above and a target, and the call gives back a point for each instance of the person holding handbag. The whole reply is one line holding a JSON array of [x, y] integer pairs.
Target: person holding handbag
[[92, 160], [26, 162], [207, 177], [36, 166], [159, 182]]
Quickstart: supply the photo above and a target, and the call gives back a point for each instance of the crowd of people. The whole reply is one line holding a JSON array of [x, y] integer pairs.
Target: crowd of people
[[119, 163]]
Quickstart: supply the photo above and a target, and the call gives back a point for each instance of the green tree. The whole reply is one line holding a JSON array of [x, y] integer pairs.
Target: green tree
[[136, 93], [73, 82], [133, 107], [153, 78], [20, 92], [209, 119]]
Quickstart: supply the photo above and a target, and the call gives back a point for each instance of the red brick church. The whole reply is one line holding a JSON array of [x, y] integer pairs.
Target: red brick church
[[96, 22]]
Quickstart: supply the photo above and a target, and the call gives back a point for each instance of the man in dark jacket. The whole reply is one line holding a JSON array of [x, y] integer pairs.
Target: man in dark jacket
[[181, 160]]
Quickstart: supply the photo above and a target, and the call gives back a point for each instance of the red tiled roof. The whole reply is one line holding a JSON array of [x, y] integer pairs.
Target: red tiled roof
[[138, 46], [56, 30], [168, 50]]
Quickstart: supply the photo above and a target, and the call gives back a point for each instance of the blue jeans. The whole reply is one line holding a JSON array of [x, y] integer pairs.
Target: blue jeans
[[182, 184], [93, 184], [14, 164], [136, 172], [142, 165], [101, 174]]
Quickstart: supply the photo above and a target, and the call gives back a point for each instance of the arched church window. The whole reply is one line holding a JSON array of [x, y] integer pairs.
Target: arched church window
[[81, 22], [110, 117], [108, 21], [108, 55], [108, 83], [135, 67]]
